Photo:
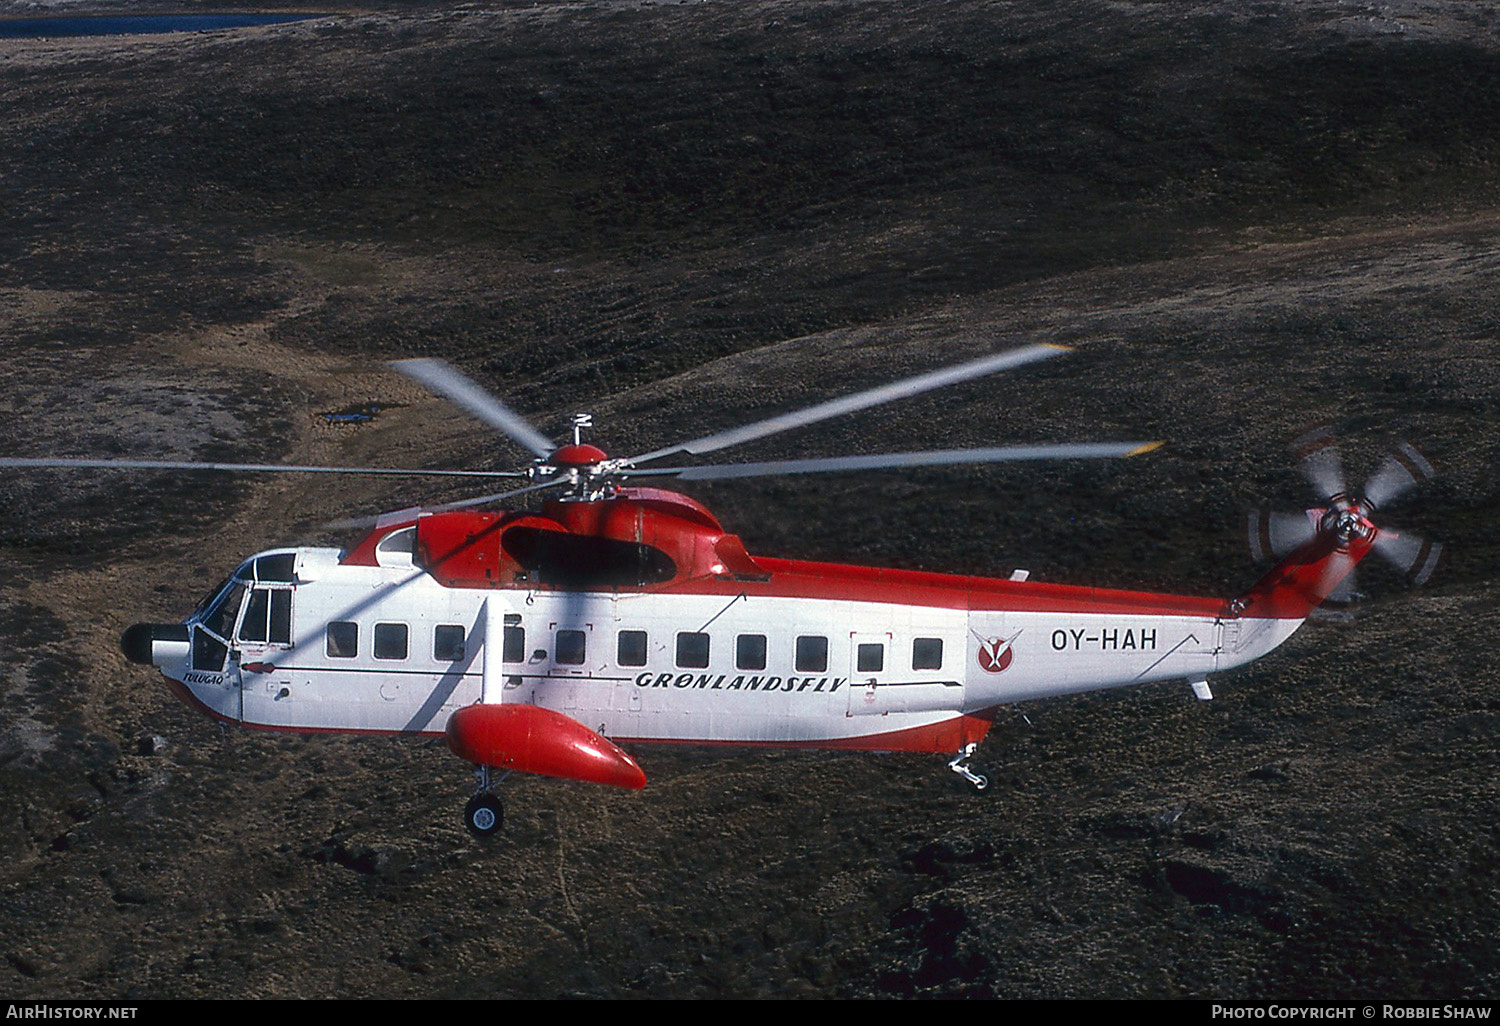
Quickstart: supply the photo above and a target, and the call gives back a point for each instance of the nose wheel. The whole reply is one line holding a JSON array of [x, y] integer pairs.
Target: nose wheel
[[484, 815]]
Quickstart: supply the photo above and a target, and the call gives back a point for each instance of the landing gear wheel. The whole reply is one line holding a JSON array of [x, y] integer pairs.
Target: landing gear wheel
[[960, 765], [484, 815]]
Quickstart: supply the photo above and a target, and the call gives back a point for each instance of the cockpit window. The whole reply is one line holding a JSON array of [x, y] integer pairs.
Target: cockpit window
[[220, 617], [278, 567], [208, 651], [254, 627], [208, 600], [268, 616]]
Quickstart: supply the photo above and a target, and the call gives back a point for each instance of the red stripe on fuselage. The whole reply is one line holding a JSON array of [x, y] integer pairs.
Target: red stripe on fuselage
[[948, 736]]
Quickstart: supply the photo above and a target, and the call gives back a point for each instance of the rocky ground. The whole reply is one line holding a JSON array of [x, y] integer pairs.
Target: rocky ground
[[1245, 217]]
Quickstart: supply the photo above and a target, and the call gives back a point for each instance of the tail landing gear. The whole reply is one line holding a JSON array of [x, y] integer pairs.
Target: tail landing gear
[[960, 765], [484, 815]]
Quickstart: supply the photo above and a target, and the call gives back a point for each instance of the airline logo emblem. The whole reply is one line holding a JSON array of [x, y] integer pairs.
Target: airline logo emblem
[[995, 654]]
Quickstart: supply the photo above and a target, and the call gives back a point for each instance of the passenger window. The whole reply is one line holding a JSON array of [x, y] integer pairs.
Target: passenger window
[[692, 651], [343, 640], [447, 643], [750, 652], [514, 649], [812, 654], [870, 658], [570, 649], [927, 654], [390, 640], [632, 650]]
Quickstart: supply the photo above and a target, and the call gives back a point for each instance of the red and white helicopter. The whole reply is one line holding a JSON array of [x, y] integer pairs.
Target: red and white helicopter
[[622, 613]]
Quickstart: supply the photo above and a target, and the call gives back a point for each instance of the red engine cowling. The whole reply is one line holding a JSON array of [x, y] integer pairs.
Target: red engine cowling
[[536, 740]]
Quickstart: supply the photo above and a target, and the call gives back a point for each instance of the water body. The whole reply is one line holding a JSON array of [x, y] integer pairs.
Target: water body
[[137, 24]]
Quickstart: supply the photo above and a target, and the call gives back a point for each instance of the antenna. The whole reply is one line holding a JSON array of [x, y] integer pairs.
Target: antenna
[[581, 421]]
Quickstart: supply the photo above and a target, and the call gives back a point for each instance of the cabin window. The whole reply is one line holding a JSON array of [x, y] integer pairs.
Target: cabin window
[[448, 643], [812, 654], [571, 648], [692, 650], [870, 658], [343, 639], [514, 648], [632, 650], [750, 652], [927, 654], [390, 640], [268, 616]]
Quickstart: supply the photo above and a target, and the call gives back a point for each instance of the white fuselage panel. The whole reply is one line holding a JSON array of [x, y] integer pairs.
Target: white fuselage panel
[[388, 649]]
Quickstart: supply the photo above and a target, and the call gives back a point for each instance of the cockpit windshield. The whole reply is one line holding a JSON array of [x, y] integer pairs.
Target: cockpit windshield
[[220, 617], [208, 599]]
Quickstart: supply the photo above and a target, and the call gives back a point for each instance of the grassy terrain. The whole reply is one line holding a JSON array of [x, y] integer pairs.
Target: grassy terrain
[[685, 216]]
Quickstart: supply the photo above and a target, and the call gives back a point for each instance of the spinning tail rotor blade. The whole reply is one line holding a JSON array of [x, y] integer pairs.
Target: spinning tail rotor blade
[[1275, 536], [449, 383], [65, 462], [1401, 470], [1320, 462], [939, 457], [859, 401], [1412, 554], [1348, 517]]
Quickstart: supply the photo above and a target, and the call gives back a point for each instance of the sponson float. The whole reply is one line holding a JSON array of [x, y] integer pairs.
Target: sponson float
[[622, 613]]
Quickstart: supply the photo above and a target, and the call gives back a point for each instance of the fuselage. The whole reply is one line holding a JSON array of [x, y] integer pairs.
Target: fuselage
[[731, 652]]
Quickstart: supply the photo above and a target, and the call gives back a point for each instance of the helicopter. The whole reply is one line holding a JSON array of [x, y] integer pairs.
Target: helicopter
[[622, 613]]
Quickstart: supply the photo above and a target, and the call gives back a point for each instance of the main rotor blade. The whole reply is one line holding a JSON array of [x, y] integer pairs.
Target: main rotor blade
[[66, 462], [449, 383], [412, 512], [861, 400], [1402, 469], [882, 461]]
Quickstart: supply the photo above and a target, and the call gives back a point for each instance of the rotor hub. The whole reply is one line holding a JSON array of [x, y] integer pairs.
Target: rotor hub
[[578, 456], [1347, 519]]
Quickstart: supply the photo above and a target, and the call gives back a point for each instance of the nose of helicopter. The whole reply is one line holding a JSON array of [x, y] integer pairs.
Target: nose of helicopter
[[139, 641]]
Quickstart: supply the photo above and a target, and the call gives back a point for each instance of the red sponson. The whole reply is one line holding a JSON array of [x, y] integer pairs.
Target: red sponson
[[536, 740]]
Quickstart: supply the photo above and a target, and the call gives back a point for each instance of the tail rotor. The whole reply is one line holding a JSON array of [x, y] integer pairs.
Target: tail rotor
[[1273, 536]]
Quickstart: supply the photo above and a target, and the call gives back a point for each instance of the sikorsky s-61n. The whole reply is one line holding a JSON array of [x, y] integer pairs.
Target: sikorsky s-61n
[[621, 613]]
